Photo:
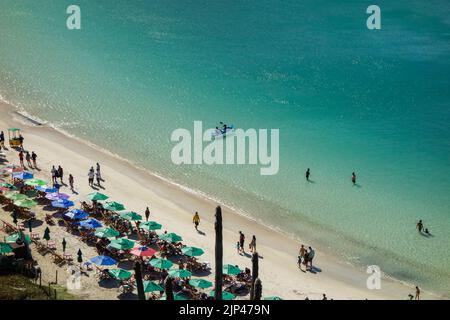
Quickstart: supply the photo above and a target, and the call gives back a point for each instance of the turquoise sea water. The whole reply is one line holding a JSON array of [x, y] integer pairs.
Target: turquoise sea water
[[343, 97]]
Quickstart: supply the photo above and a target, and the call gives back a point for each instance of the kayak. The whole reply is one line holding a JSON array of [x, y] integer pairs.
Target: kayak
[[220, 134]]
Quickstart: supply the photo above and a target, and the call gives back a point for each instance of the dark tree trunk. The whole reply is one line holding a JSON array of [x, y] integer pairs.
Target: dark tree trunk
[[255, 274], [258, 289], [168, 286], [219, 255], [139, 283]]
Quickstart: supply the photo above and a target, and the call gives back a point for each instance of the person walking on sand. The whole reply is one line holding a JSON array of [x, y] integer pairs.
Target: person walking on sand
[[98, 177], [241, 241], [301, 256], [91, 178], [2, 140], [308, 173], [28, 158], [21, 159], [311, 255], [21, 141], [252, 245], [99, 174], [419, 226], [71, 181], [34, 157], [417, 297], [196, 220], [60, 173], [54, 174], [147, 214]]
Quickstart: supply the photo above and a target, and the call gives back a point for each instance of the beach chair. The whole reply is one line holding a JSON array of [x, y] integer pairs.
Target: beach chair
[[51, 245], [67, 256], [35, 236]]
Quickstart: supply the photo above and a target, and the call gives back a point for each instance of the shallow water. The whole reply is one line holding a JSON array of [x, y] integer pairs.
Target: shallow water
[[344, 99]]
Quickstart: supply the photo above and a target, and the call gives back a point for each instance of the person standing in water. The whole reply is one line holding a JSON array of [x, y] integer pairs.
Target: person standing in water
[[353, 178], [308, 173], [419, 226], [196, 220], [147, 214]]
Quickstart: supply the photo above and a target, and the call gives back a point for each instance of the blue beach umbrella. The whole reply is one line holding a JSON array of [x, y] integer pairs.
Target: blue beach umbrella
[[103, 261], [23, 175], [63, 204], [46, 189], [91, 224], [76, 214]]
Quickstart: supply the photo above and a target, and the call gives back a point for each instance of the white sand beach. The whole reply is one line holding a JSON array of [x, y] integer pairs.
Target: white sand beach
[[173, 207]]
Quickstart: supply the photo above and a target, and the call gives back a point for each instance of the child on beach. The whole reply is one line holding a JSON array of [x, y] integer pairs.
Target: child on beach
[[238, 247], [196, 220], [34, 157]]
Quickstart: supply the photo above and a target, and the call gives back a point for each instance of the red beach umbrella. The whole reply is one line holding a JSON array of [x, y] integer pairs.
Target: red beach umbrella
[[143, 252]]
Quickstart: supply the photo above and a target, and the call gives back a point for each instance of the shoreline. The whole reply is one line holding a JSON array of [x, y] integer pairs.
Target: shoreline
[[338, 279]]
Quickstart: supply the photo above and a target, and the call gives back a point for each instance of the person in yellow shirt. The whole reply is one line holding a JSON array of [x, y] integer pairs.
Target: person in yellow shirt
[[196, 220]]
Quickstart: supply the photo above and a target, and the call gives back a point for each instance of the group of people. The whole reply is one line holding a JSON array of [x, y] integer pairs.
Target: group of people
[[30, 158], [240, 244], [95, 174], [305, 257], [308, 175], [422, 229]]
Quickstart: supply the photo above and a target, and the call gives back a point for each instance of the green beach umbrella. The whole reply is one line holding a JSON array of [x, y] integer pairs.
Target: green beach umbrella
[[150, 225], [131, 216], [36, 183], [171, 237], [175, 297], [180, 273], [107, 233], [200, 283], [97, 196], [17, 236], [119, 274], [16, 196], [5, 248], [46, 234], [150, 286], [192, 251], [161, 263], [122, 244], [225, 295], [7, 185], [273, 298], [114, 206], [25, 203], [230, 269]]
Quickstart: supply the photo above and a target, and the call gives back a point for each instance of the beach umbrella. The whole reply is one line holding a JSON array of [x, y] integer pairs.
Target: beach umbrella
[[16, 196], [171, 237], [107, 233], [97, 196], [150, 225], [36, 183], [143, 251], [64, 204], [161, 263], [225, 295], [131, 216], [13, 169], [180, 273], [113, 206], [150, 286], [119, 274], [64, 244], [273, 298], [80, 256], [25, 203], [17, 236], [6, 248], [57, 196], [23, 175], [46, 189], [192, 251], [46, 234], [122, 244], [103, 261], [90, 224], [76, 214], [231, 270], [200, 283], [176, 296]]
